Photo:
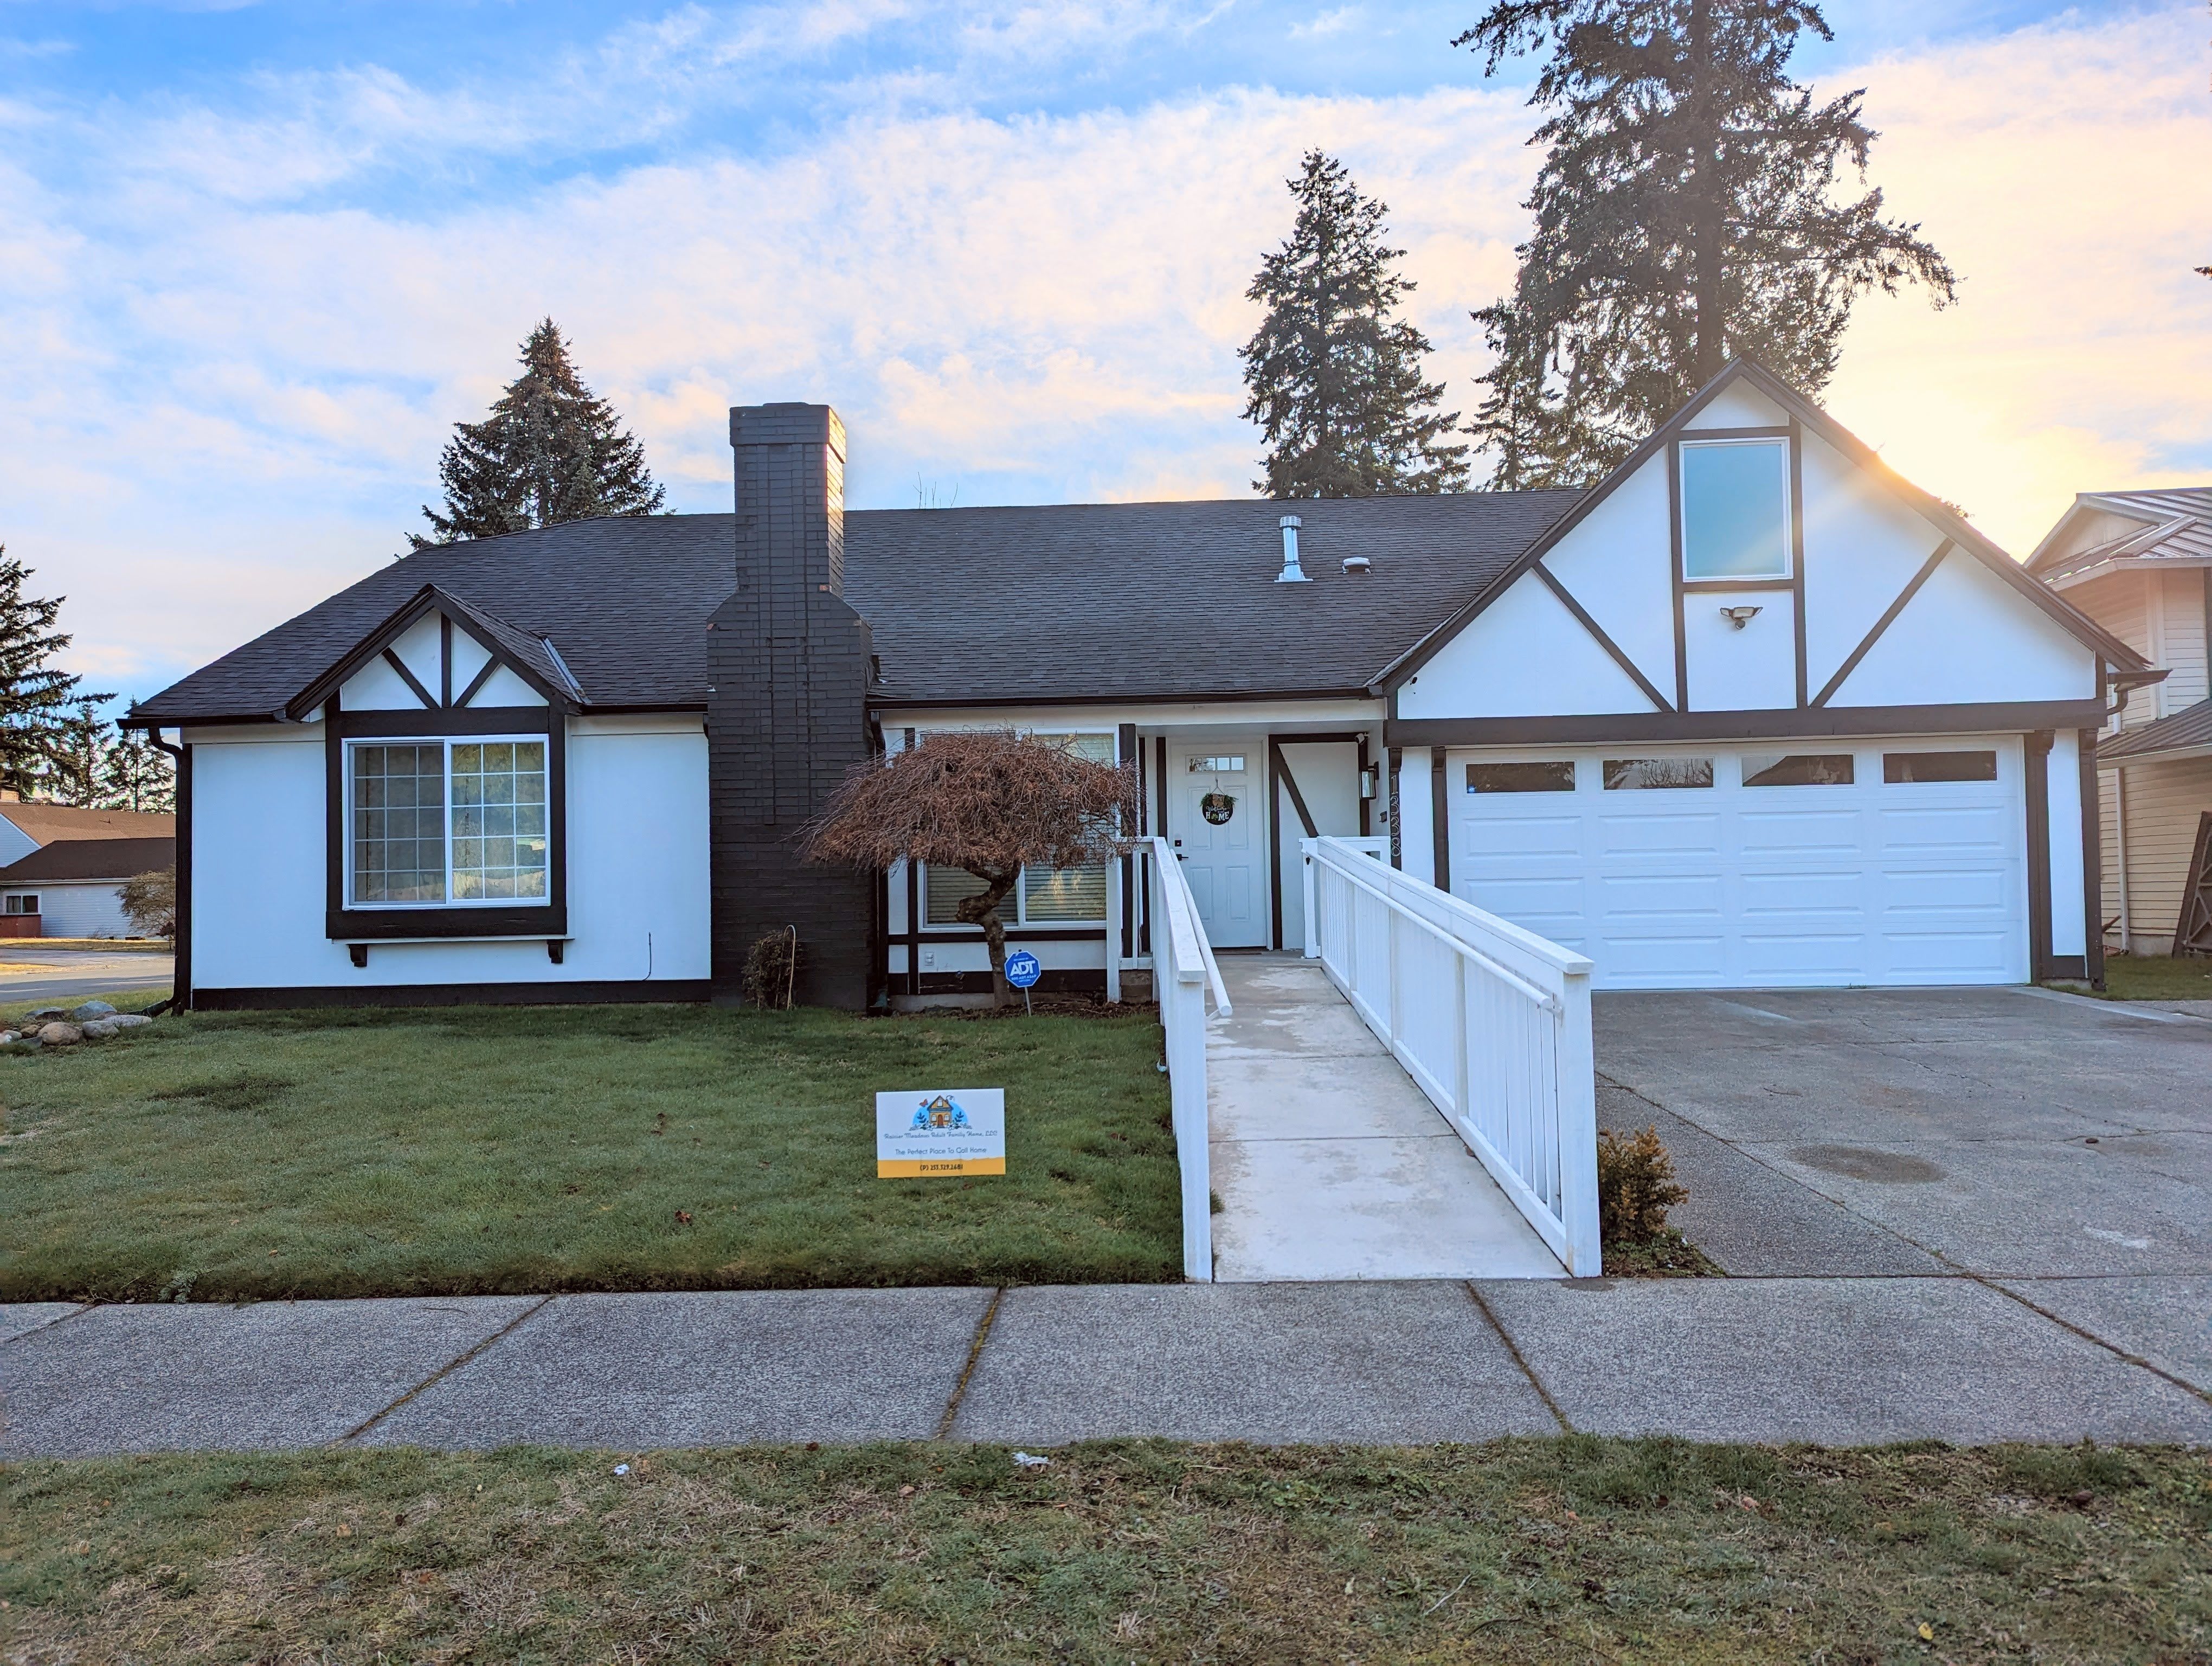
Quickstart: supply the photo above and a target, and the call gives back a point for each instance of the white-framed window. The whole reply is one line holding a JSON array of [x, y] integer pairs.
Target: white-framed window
[[1057, 896], [1736, 509], [435, 822], [23, 903]]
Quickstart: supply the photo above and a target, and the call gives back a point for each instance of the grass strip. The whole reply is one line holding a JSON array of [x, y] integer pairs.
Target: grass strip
[[1571, 1549], [256, 1156]]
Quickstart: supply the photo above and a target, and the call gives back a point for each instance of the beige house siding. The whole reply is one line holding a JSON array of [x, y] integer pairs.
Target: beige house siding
[[2177, 606], [2164, 801]]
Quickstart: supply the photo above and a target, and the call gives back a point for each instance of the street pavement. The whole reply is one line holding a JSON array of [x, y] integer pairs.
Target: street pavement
[[31, 971]]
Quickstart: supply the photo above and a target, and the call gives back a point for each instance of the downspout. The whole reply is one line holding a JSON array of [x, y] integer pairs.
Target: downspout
[[180, 994]]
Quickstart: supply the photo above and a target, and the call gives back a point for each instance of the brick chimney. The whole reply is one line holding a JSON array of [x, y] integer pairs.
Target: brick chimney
[[787, 713]]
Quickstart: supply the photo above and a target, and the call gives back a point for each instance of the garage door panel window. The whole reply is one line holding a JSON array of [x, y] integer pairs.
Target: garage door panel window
[[1557, 777], [1920, 769], [1798, 769], [1736, 509], [1626, 774]]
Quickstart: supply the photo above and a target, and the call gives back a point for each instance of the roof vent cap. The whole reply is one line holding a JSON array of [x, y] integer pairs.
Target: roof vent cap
[[1357, 564], [1292, 572]]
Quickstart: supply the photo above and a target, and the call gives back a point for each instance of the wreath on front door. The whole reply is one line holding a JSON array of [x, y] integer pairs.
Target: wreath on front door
[[1216, 807]]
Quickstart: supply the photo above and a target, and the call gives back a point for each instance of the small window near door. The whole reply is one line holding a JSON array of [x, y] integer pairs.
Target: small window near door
[[1521, 777], [1624, 774], [1221, 763], [1797, 769], [23, 904], [1909, 768], [1736, 509]]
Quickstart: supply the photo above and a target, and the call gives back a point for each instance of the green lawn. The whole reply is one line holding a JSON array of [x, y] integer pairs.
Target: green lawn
[[240, 1156], [1570, 1550], [2161, 977]]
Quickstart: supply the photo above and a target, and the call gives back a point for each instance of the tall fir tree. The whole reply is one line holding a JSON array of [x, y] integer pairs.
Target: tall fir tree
[[36, 695], [76, 764], [1334, 379], [550, 451], [1687, 212], [137, 775]]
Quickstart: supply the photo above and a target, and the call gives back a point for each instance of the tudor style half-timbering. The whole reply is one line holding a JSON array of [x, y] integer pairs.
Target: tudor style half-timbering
[[1752, 711]]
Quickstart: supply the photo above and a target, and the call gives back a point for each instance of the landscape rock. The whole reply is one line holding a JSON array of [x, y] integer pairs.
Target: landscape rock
[[7, 1035], [44, 1015], [128, 1020], [59, 1034], [93, 1009], [101, 1029]]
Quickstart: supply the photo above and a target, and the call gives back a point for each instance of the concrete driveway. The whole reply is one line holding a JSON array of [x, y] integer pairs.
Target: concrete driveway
[[2054, 1147]]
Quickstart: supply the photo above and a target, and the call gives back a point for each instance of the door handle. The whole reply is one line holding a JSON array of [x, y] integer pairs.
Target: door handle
[[1181, 857]]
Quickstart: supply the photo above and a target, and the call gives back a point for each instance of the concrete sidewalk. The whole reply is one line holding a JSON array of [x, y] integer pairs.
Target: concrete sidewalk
[[1840, 1360]]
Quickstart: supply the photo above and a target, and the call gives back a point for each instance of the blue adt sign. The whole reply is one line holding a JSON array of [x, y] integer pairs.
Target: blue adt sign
[[1024, 968]]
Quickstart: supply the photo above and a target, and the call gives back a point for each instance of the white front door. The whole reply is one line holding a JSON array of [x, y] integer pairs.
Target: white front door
[[1215, 814], [1805, 863]]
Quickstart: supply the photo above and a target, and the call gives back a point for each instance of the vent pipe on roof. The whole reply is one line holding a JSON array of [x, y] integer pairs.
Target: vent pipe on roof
[[1292, 572]]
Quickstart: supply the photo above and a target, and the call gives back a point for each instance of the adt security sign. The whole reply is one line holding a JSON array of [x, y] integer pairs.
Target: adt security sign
[[1024, 968], [941, 1131]]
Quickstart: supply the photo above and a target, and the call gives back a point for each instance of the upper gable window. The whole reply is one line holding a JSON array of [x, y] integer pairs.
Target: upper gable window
[[1735, 508]]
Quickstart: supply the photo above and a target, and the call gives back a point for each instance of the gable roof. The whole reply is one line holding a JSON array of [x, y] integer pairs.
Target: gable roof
[[45, 822], [1112, 601], [533, 657], [2174, 525], [1946, 520], [90, 859], [2188, 730]]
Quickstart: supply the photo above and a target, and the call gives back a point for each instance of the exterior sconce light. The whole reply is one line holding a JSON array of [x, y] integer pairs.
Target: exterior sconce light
[[1738, 616]]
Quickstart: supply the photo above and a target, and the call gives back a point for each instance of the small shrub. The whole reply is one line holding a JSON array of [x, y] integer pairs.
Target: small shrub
[[1635, 1187], [772, 969], [149, 902]]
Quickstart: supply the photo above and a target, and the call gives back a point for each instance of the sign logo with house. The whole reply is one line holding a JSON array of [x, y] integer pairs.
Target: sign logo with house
[[937, 1132]]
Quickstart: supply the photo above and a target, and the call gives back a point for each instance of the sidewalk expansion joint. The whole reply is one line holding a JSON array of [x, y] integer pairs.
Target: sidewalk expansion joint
[[439, 1375], [974, 1352], [2087, 1335], [1514, 1349], [59, 1319]]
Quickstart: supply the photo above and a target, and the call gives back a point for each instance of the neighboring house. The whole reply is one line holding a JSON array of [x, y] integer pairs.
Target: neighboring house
[[1753, 711], [2139, 563], [74, 887], [26, 827]]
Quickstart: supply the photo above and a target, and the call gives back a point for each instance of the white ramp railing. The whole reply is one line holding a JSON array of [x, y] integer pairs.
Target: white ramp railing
[[1493, 1022], [1183, 972]]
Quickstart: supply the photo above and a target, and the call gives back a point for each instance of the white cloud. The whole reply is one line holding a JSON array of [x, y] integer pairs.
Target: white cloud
[[230, 377]]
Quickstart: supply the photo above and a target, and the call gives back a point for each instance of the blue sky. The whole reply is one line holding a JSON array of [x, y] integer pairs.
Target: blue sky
[[255, 260]]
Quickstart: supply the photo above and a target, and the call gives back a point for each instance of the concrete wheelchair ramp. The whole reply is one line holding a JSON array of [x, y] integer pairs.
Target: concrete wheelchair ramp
[[1329, 1163]]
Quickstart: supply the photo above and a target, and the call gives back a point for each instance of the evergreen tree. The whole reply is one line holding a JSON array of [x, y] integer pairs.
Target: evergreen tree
[[1335, 381], [1686, 214], [77, 763], [138, 775], [35, 695], [550, 451]]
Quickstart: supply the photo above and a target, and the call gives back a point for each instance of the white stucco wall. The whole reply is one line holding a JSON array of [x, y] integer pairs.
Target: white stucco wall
[[637, 865], [1416, 830], [2070, 925]]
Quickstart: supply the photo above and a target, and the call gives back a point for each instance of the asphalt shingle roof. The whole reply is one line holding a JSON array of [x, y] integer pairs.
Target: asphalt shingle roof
[[90, 859], [1082, 601], [2181, 730]]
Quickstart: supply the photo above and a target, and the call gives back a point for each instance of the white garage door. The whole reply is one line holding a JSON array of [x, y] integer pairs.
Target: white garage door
[[1755, 866]]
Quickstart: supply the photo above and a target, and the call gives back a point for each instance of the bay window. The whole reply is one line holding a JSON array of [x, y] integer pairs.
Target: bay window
[[436, 822]]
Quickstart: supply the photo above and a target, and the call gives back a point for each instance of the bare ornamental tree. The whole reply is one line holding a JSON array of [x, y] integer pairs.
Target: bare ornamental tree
[[988, 801]]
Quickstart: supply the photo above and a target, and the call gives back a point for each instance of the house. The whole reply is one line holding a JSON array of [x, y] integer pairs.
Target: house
[[74, 887], [1752, 711], [2139, 563], [62, 865]]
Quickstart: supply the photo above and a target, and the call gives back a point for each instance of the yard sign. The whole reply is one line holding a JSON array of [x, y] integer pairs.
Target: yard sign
[[941, 1131]]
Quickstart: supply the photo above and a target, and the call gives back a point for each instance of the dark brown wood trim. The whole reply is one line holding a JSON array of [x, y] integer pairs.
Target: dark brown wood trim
[[1017, 933], [334, 811], [414, 683], [1675, 574], [1160, 791], [1797, 547], [547, 919], [1659, 701], [1889, 617], [2037, 751], [180, 978], [1223, 696], [1439, 819], [1127, 751], [2003, 717], [552, 993], [483, 676], [1779, 584], [456, 721], [2093, 857], [445, 659], [1787, 432], [1277, 761]]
